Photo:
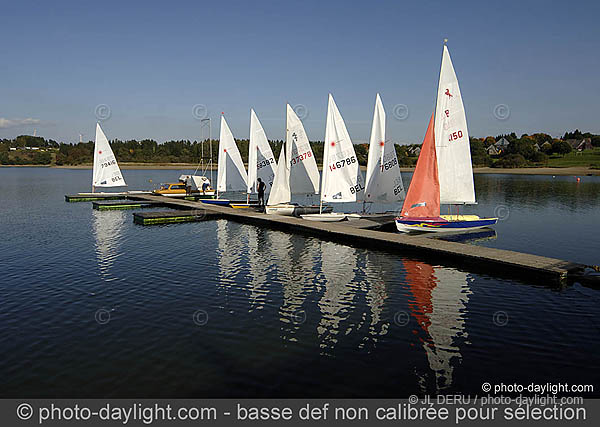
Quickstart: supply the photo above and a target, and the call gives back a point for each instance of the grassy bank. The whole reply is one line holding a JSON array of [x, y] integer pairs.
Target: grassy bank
[[587, 158]]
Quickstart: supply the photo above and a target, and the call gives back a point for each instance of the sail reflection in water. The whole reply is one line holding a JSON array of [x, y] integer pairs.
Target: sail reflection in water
[[377, 268], [232, 247], [295, 263], [108, 231], [332, 300], [338, 268], [440, 297], [259, 267]]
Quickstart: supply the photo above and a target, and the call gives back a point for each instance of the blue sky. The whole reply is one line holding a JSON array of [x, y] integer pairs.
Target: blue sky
[[151, 62]]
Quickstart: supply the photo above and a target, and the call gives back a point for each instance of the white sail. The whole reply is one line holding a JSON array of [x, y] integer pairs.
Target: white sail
[[383, 181], [452, 139], [304, 174], [342, 180], [280, 193], [261, 161], [231, 174], [109, 232], [106, 170]]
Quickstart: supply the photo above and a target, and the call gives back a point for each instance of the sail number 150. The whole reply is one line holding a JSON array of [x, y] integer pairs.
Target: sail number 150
[[455, 135]]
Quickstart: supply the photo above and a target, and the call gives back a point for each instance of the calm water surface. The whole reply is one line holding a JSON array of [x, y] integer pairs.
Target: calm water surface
[[92, 305]]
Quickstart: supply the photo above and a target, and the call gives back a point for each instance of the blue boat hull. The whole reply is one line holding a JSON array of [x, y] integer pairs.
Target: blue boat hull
[[221, 202]]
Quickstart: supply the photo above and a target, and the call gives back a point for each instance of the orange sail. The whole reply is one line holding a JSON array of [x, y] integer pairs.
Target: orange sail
[[422, 282], [423, 197]]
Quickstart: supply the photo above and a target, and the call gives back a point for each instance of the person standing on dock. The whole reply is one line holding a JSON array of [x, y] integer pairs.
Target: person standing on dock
[[261, 192]]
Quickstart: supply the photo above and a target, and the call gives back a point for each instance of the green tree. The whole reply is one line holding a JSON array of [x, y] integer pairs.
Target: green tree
[[561, 147], [576, 134], [522, 146], [362, 153], [479, 155], [511, 161]]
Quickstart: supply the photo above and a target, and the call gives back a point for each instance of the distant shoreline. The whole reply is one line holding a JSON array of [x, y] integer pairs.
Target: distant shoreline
[[478, 170]]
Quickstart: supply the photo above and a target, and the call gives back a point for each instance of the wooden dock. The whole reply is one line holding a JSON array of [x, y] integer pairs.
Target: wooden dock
[[171, 217], [92, 197], [108, 205], [368, 232], [481, 258]]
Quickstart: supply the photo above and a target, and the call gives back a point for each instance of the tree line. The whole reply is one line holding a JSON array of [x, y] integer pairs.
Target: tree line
[[526, 150], [521, 151]]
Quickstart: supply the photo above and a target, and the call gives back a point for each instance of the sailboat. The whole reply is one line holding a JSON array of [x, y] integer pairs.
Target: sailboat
[[296, 172], [261, 161], [231, 173], [106, 171], [342, 180], [383, 180], [443, 174]]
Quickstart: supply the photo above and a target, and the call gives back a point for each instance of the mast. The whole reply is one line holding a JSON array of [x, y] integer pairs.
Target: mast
[[284, 147], [436, 96], [210, 162]]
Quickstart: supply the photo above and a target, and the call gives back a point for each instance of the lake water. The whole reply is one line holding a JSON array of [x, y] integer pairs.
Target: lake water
[[92, 305]]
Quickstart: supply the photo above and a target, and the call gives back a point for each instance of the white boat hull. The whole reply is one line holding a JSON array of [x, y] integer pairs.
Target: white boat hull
[[325, 217], [120, 193], [353, 216], [282, 209]]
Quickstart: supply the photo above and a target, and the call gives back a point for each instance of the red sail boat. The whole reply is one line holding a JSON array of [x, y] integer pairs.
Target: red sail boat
[[444, 174]]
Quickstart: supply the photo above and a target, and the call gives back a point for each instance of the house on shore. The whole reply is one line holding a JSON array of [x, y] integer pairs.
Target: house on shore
[[581, 144], [492, 150], [501, 144], [414, 151]]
